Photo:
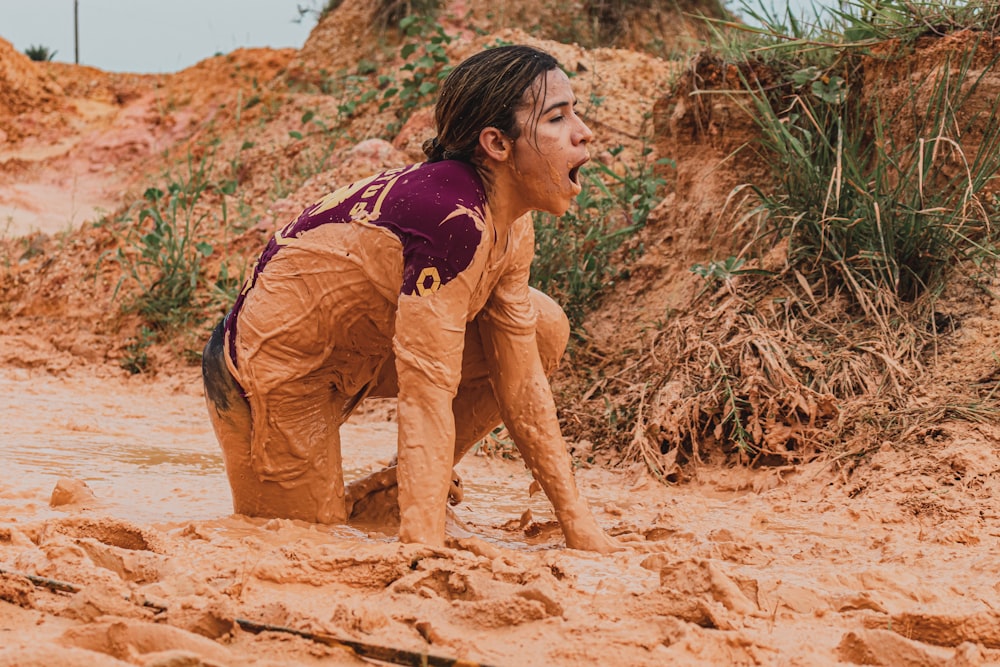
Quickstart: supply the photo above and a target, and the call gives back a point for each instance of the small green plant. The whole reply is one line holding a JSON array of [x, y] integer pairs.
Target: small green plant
[[136, 358], [40, 53], [497, 444], [719, 270], [246, 217], [161, 253], [572, 253], [226, 287], [355, 92], [724, 271], [427, 64], [323, 142], [281, 186], [736, 409]]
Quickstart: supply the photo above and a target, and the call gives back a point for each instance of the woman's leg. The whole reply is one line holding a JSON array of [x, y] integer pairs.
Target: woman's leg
[[303, 429], [475, 405]]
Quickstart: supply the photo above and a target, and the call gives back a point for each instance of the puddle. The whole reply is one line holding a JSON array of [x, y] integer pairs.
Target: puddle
[[147, 452]]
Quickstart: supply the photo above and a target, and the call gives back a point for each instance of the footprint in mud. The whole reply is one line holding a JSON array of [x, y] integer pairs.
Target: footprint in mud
[[129, 640], [106, 530]]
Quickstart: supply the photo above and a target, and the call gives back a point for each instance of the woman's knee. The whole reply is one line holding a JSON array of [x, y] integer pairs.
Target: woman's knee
[[551, 330]]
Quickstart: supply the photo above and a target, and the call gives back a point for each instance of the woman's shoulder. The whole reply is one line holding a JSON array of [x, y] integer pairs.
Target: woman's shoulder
[[444, 198]]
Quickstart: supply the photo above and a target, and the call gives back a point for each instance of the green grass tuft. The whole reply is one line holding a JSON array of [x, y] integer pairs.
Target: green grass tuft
[[573, 253]]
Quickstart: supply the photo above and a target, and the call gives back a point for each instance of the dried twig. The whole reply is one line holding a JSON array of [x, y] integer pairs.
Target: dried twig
[[66, 587], [396, 656]]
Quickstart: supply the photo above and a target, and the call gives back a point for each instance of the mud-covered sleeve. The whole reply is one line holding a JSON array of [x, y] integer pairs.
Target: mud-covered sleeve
[[441, 269], [429, 336], [509, 307]]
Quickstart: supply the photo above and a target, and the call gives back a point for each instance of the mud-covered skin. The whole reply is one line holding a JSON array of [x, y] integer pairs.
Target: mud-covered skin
[[412, 284]]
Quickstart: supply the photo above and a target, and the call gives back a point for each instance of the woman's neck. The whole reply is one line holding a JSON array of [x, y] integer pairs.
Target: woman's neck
[[502, 199]]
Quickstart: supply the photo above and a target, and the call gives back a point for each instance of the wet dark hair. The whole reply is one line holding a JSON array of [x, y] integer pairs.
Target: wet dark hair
[[485, 90]]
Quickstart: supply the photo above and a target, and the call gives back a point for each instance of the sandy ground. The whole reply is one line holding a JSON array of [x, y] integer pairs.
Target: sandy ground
[[777, 567], [117, 541]]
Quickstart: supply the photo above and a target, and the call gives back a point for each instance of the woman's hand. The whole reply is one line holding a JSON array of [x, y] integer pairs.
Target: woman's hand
[[598, 541], [582, 532]]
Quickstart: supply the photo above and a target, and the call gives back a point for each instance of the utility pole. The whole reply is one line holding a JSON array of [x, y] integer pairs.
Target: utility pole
[[76, 31]]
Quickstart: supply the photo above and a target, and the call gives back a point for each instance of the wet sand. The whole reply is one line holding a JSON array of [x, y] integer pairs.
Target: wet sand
[[740, 567], [883, 553]]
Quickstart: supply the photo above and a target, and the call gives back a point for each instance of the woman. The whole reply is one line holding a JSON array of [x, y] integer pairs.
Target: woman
[[412, 283]]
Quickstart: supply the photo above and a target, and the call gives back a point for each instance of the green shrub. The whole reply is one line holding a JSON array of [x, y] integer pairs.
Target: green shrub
[[887, 216], [427, 65], [161, 254], [40, 53], [573, 253]]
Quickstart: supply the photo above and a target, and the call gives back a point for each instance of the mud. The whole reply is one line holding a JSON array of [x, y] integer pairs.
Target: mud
[[118, 545], [734, 567]]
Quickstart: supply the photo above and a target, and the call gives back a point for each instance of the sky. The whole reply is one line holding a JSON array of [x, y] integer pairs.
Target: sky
[[156, 36], [153, 36]]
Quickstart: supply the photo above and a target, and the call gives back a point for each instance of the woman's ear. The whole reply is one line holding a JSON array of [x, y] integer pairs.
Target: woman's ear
[[495, 144]]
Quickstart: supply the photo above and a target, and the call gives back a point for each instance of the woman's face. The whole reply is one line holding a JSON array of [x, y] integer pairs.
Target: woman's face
[[552, 146]]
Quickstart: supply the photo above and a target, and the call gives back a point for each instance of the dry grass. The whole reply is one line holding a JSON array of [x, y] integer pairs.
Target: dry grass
[[817, 337], [768, 370]]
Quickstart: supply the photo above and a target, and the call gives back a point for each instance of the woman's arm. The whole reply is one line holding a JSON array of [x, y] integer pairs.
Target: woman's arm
[[428, 344], [529, 413]]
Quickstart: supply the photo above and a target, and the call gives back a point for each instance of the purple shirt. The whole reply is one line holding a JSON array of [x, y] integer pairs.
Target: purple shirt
[[431, 208]]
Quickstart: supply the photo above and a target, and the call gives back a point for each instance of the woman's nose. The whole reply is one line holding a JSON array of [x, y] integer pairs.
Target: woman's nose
[[585, 135]]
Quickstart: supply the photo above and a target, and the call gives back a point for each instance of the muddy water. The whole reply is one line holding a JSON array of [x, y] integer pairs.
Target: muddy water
[[148, 453], [144, 458], [147, 457], [754, 567]]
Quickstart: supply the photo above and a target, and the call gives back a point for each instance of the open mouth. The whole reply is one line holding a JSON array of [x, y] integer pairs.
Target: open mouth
[[574, 172]]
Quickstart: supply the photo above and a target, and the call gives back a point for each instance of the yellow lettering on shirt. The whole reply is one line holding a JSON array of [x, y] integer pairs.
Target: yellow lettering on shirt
[[279, 239], [338, 196]]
